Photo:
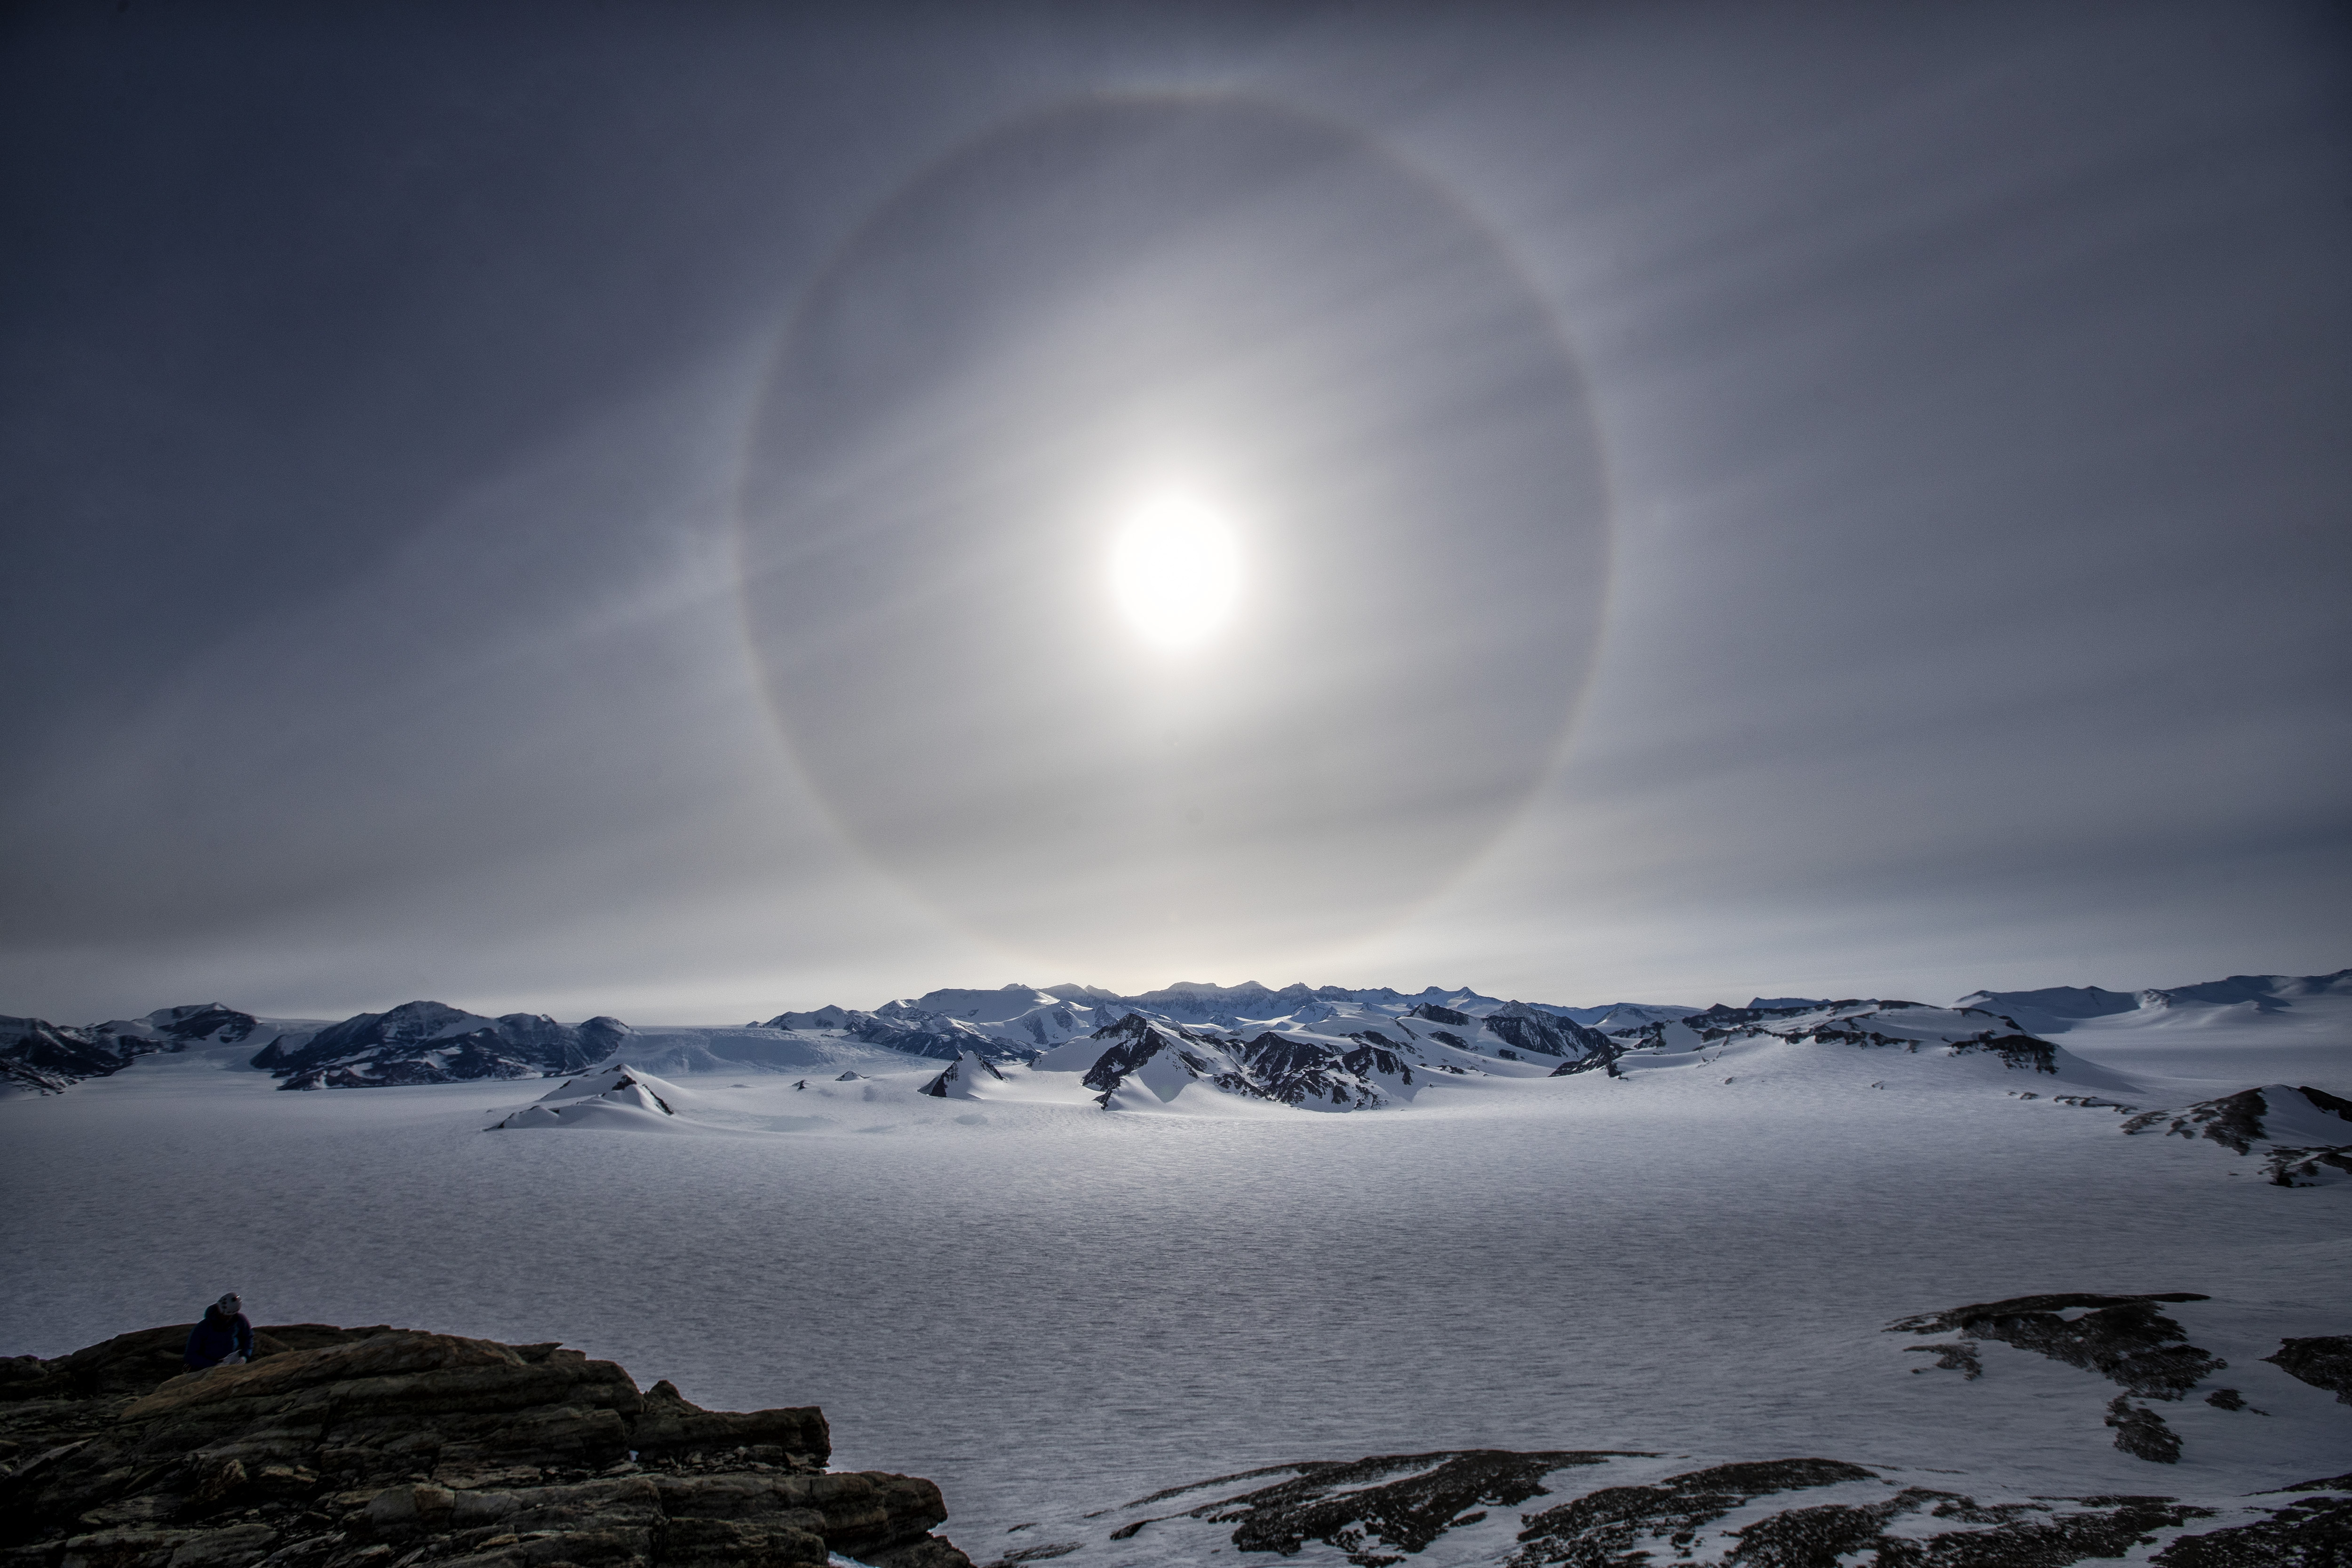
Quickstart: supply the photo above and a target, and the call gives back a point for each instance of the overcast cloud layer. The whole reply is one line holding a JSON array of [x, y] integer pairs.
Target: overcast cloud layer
[[1840, 500]]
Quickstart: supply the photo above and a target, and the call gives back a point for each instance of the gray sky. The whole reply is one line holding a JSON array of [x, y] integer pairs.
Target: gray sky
[[617, 509]]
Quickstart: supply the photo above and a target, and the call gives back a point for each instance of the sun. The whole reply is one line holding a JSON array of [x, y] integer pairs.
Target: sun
[[1176, 572]]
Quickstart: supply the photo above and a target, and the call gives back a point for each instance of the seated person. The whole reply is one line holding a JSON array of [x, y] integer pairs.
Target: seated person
[[224, 1336]]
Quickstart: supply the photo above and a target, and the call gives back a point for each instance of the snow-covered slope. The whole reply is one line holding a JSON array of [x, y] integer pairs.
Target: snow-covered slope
[[2244, 1029], [618, 1098]]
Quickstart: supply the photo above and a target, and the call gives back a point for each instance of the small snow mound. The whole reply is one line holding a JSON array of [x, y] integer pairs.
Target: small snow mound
[[962, 1077], [613, 1096]]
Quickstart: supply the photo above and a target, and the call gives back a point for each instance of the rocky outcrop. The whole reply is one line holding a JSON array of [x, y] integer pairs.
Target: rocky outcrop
[[1617, 1509], [428, 1042], [2324, 1361], [2122, 1338], [2304, 1134], [359, 1447], [960, 1076]]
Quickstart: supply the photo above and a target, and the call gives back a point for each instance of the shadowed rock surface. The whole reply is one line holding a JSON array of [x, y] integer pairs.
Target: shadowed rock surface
[[1608, 1525], [340, 1448], [2122, 1338], [2142, 1433], [1472, 1506], [1334, 1504], [2324, 1361]]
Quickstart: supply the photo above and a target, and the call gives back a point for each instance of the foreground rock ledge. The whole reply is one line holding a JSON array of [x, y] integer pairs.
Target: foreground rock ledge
[[372, 1447]]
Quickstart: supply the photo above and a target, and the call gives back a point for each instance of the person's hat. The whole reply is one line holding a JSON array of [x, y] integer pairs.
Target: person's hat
[[229, 1305]]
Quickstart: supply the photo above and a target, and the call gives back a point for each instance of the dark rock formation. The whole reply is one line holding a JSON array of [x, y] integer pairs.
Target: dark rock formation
[[2324, 1361], [970, 1066], [1952, 1355], [1291, 1072], [2122, 1338], [1606, 1525], [48, 1058], [1379, 1512], [2015, 1049], [1543, 1034], [2313, 1534], [427, 1042], [355, 1447], [2142, 1433], [1723, 1020], [1126, 1046], [2308, 1167], [1334, 1504], [2236, 1120]]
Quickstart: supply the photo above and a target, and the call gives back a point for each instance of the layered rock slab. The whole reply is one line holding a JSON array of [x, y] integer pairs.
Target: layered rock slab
[[360, 1448]]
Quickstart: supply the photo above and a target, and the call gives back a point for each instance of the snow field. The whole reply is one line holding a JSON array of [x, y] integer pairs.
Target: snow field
[[1039, 1305]]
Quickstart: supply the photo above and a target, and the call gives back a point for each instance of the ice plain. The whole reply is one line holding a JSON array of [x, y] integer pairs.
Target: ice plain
[[1046, 1307]]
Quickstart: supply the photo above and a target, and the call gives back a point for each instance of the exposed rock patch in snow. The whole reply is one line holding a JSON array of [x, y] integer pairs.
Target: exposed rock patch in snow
[[1504, 1508], [2124, 1339], [2324, 1361], [2144, 1351], [959, 1079], [2273, 1113], [2304, 1134]]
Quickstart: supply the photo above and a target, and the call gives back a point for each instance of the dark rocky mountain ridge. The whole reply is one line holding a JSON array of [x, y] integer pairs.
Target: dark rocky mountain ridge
[[47, 1058], [427, 1042]]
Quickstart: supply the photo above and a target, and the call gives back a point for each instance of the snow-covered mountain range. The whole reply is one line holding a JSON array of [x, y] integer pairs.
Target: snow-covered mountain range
[[1317, 1047]]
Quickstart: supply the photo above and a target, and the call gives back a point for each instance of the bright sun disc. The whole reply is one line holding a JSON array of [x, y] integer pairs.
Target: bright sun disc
[[1176, 572]]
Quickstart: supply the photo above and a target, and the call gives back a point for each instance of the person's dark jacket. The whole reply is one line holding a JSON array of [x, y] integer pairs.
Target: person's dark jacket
[[217, 1339]]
